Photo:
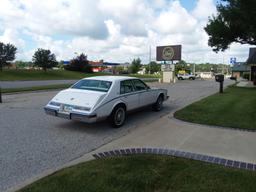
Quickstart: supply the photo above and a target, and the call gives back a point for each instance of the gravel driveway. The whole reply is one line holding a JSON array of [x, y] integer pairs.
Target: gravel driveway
[[32, 142]]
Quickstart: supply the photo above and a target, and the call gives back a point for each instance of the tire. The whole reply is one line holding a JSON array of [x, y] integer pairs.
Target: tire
[[180, 78], [118, 116], [191, 78], [158, 105]]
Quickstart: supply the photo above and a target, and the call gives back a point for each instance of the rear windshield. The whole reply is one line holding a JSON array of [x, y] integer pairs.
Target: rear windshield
[[94, 85]]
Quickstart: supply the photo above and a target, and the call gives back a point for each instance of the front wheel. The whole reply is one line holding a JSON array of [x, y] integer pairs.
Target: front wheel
[[118, 116], [158, 104]]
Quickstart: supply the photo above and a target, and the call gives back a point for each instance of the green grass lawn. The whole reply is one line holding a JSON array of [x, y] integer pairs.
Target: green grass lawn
[[235, 108], [14, 75], [35, 88], [146, 173]]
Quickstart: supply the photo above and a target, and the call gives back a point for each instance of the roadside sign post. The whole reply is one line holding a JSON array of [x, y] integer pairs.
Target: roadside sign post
[[168, 54], [1, 95]]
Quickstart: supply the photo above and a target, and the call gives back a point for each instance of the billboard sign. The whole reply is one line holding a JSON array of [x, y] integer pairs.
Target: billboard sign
[[168, 53]]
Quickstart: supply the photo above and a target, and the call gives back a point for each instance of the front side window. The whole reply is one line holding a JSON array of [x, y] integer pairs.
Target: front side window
[[93, 85], [139, 85], [126, 87]]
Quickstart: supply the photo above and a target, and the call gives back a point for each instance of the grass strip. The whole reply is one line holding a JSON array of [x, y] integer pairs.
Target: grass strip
[[234, 108], [147, 173], [35, 88]]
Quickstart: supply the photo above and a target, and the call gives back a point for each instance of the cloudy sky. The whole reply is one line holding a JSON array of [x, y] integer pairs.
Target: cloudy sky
[[113, 30]]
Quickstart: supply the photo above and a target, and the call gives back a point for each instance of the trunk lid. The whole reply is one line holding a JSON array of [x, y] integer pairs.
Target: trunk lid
[[79, 97]]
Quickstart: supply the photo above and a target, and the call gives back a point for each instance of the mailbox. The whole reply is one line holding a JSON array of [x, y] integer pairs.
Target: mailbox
[[219, 78]]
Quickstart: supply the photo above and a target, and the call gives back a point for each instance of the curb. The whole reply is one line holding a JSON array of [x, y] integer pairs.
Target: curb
[[210, 126], [177, 153]]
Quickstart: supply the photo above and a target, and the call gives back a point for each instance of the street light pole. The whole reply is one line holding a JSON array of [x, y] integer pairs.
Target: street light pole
[[1, 56]]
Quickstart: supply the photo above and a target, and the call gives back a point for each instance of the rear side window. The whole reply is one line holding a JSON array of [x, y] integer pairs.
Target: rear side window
[[139, 85], [94, 85], [126, 87]]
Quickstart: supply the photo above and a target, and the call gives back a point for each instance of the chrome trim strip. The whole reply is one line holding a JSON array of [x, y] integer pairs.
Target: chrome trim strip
[[49, 109], [125, 95]]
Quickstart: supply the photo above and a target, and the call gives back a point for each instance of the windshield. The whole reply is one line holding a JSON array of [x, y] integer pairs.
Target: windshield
[[94, 85]]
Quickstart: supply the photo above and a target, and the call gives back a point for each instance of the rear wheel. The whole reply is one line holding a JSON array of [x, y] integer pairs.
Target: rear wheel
[[158, 105], [118, 116]]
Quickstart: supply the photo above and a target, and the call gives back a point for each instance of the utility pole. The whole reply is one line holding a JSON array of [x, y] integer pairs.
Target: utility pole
[[149, 67]]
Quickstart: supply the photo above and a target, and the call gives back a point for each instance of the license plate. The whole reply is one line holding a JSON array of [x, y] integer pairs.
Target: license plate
[[67, 108]]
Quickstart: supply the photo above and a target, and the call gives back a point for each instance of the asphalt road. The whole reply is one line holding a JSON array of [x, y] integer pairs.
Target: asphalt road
[[32, 142]]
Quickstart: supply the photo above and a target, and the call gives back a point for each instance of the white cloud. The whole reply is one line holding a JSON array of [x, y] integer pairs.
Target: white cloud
[[112, 30], [132, 15], [78, 18], [204, 9], [12, 36], [176, 19]]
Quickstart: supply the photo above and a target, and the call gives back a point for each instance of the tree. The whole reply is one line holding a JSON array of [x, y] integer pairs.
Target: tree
[[80, 63], [235, 22], [182, 66], [153, 67], [7, 53], [135, 66], [44, 58]]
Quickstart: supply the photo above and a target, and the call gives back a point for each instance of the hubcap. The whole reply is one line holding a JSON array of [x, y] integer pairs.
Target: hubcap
[[119, 116], [160, 103]]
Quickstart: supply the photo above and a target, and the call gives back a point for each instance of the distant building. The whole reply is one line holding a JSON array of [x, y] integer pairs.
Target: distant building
[[66, 62], [97, 66], [239, 69], [101, 66], [251, 63]]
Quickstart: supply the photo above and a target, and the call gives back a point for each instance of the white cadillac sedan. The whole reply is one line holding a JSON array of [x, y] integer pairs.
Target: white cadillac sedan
[[105, 97]]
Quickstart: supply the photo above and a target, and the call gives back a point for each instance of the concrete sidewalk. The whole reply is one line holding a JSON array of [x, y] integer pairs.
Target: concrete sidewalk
[[169, 132]]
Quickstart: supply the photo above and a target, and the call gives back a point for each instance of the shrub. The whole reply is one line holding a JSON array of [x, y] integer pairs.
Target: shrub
[[246, 76], [80, 63]]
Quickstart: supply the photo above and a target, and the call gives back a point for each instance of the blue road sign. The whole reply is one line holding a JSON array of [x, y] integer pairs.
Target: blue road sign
[[232, 60]]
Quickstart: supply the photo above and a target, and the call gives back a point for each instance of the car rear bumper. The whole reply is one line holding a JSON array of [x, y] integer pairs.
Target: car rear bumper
[[91, 118]]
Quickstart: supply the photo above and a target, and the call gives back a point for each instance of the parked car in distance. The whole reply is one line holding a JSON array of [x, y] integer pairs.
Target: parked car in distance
[[105, 97], [233, 78], [186, 76]]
